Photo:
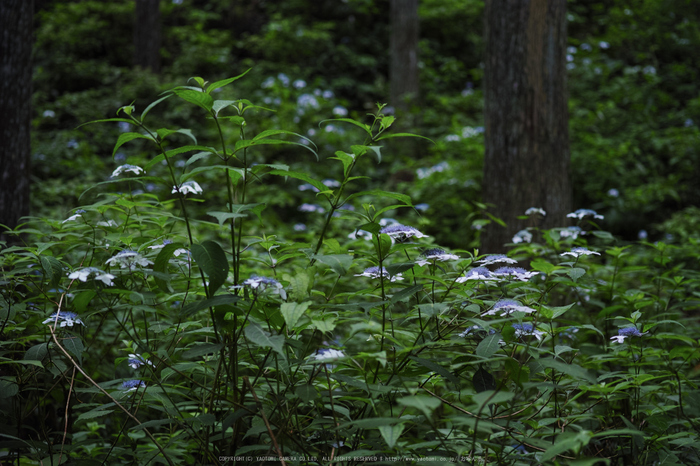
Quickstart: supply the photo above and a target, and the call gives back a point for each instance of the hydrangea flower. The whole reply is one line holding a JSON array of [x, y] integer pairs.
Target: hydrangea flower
[[581, 213], [527, 329], [401, 233], [94, 273], [374, 272], [422, 207], [477, 273], [331, 183], [72, 218], [108, 223], [308, 187], [136, 361], [627, 332], [578, 252], [523, 236], [188, 187], [535, 210], [517, 273], [435, 254], [476, 331], [127, 259], [311, 208], [162, 245], [328, 353], [571, 232], [135, 169], [263, 283], [507, 306], [131, 385], [299, 227], [495, 259], [66, 319]]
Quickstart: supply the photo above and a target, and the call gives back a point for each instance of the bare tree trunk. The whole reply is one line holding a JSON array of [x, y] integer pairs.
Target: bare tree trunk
[[403, 73], [147, 35], [526, 163], [16, 19]]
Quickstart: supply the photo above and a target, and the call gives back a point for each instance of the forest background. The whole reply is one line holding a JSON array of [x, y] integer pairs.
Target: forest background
[[590, 353], [634, 104]]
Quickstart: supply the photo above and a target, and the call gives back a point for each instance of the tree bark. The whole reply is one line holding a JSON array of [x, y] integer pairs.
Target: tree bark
[[16, 28], [403, 73], [147, 35], [526, 163]]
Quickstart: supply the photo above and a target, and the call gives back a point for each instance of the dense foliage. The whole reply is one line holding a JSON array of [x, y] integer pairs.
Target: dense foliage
[[267, 273]]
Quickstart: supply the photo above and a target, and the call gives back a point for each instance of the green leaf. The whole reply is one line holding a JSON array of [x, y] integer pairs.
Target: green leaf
[[221, 104], [404, 135], [196, 306], [366, 128], [53, 269], [161, 265], [246, 143], [489, 346], [263, 339], [340, 263], [554, 312], [425, 404], [566, 442], [406, 293], [378, 192], [126, 137], [575, 273], [292, 312], [74, 346], [488, 397], [542, 265], [98, 412], [307, 393], [301, 176], [573, 370], [153, 104], [199, 98], [391, 434], [212, 260], [37, 352], [483, 381], [444, 373], [225, 82], [81, 301]]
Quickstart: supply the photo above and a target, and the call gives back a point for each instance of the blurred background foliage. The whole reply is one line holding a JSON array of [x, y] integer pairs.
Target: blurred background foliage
[[634, 101]]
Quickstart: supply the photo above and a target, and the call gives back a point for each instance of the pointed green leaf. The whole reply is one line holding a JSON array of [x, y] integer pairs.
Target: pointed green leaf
[[126, 137], [425, 404], [224, 82], [161, 265], [221, 104], [404, 135], [74, 346], [490, 397], [489, 346], [444, 373], [301, 176], [292, 312], [406, 293], [153, 104], [199, 98], [483, 381], [340, 263], [260, 337], [391, 433], [212, 260], [53, 270], [366, 128]]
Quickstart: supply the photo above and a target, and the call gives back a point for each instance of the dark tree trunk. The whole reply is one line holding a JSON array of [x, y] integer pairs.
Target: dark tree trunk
[[147, 35], [526, 163], [404, 53], [16, 17]]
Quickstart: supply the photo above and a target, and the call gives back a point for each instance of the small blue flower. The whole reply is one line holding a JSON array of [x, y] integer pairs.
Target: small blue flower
[[495, 259], [136, 361], [435, 254], [527, 329], [578, 252], [507, 306], [66, 319], [477, 273], [401, 233], [581, 213], [627, 332], [374, 272], [517, 273], [131, 385]]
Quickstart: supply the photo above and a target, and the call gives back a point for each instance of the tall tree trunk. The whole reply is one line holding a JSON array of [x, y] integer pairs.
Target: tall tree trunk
[[147, 35], [526, 163], [403, 73], [16, 17]]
